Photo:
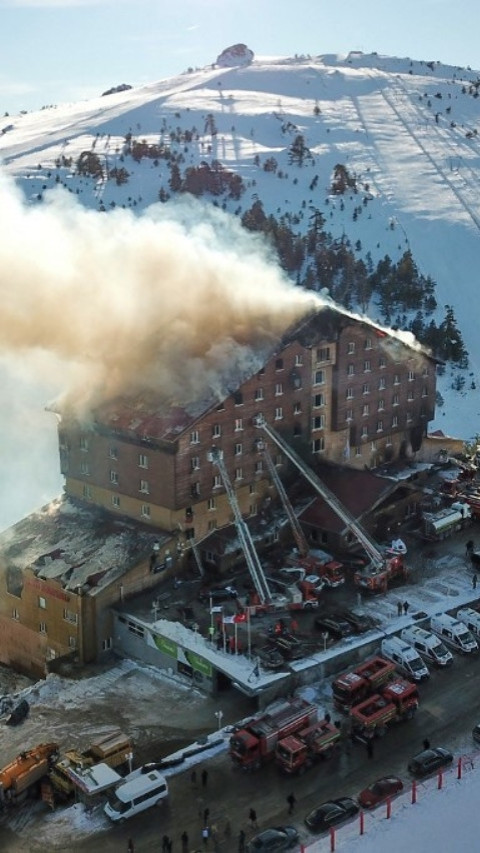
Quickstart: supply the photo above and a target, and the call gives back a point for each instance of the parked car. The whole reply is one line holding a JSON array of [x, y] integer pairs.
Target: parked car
[[476, 733], [330, 814], [335, 625], [274, 840], [429, 761], [379, 791], [19, 713], [360, 622], [223, 593]]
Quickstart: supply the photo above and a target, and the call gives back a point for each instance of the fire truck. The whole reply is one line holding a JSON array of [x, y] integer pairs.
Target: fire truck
[[19, 778], [296, 753], [384, 565], [396, 702], [256, 742], [438, 525], [352, 687]]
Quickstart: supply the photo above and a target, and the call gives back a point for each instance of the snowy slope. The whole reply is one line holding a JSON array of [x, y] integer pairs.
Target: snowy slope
[[405, 128]]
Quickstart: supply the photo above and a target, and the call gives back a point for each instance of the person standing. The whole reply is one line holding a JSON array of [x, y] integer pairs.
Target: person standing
[[405, 607], [474, 581], [184, 840], [205, 835], [193, 777], [370, 747], [426, 743], [206, 814], [204, 778], [252, 816], [399, 608], [130, 846], [165, 843], [241, 841], [291, 802]]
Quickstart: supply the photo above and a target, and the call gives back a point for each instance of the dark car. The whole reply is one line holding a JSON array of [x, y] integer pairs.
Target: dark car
[[330, 814], [360, 622], [274, 840], [429, 761], [380, 791], [224, 593], [476, 733], [335, 625], [19, 713]]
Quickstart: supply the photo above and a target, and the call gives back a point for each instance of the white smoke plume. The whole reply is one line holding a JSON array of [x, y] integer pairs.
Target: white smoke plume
[[163, 301]]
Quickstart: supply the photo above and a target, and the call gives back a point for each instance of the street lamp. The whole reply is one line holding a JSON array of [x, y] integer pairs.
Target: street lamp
[[219, 716]]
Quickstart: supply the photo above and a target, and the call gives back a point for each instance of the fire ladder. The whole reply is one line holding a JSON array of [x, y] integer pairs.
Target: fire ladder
[[251, 556], [328, 496], [297, 531]]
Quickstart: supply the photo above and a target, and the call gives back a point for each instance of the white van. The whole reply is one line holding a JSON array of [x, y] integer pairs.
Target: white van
[[428, 645], [454, 633], [405, 658], [470, 618], [139, 791]]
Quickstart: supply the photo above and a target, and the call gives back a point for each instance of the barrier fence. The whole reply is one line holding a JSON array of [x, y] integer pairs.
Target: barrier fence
[[412, 794]]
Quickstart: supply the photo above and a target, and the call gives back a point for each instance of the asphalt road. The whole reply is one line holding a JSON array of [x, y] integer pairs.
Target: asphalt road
[[447, 713]]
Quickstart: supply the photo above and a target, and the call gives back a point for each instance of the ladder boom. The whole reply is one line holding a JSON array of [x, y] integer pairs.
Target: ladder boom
[[350, 522], [298, 534]]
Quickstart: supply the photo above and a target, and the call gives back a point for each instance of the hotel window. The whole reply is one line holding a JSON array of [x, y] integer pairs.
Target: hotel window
[[395, 400], [70, 616], [239, 473], [410, 395], [382, 384], [259, 394], [396, 379], [349, 415], [259, 467], [43, 627], [212, 503], [424, 391], [379, 426], [364, 432], [318, 400], [42, 602], [367, 366], [114, 478], [297, 408], [373, 446], [411, 375], [366, 410], [113, 453], [252, 489], [238, 398], [358, 450], [253, 509], [278, 413], [142, 460], [298, 360], [194, 437], [238, 449], [217, 481], [216, 431], [279, 364], [87, 492], [116, 501], [195, 490], [349, 394], [409, 418], [145, 512], [382, 362], [278, 389], [72, 642], [15, 614], [144, 487], [107, 644], [425, 371], [366, 388], [195, 463], [351, 370], [318, 445], [388, 441], [394, 421], [83, 443], [212, 525], [350, 348], [84, 468], [381, 404], [319, 377], [238, 424], [368, 343], [323, 354], [318, 422]]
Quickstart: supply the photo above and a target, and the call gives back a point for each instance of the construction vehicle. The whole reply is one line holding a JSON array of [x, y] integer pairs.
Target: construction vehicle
[[256, 742], [438, 525], [114, 749], [397, 701], [19, 778], [384, 566], [313, 561], [352, 687], [300, 594], [296, 753]]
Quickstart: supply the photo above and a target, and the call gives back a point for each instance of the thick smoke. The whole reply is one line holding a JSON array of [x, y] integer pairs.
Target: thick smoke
[[162, 302]]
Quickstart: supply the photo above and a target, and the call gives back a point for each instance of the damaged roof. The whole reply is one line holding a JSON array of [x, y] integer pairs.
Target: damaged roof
[[77, 545]]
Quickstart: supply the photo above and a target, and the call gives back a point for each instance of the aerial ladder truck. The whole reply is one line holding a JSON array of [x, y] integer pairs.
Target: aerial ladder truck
[[382, 568]]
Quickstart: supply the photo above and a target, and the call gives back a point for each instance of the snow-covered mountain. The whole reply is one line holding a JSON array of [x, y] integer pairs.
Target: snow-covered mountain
[[405, 130]]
